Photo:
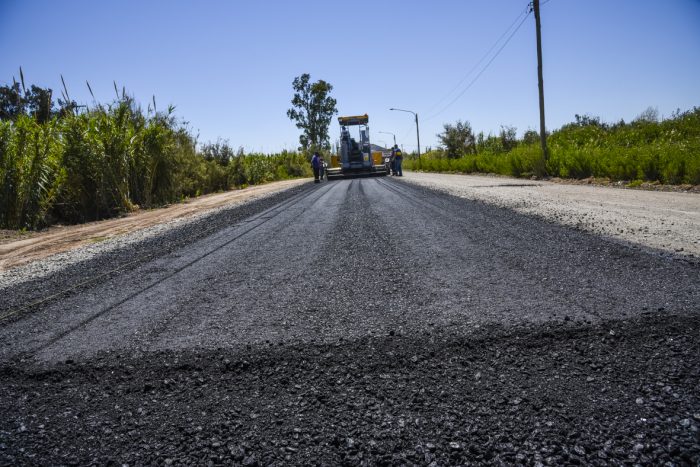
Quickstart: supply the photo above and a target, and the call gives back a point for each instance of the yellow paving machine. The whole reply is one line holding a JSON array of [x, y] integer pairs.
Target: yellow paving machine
[[355, 156]]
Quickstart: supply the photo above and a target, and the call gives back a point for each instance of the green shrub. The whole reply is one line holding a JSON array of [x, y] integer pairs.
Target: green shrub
[[646, 150]]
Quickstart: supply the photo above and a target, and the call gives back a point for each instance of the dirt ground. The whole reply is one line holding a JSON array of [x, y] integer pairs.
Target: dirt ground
[[17, 248]]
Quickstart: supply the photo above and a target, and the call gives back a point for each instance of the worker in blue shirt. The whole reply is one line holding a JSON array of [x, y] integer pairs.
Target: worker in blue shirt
[[316, 166]]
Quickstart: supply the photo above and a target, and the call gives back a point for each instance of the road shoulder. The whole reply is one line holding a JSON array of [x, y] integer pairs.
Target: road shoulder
[[665, 221]]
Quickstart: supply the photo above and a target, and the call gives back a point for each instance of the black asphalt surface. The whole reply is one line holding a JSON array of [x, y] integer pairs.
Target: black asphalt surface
[[363, 321]]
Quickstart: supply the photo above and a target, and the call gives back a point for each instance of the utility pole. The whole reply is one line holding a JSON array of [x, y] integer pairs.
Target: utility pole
[[418, 136], [540, 83]]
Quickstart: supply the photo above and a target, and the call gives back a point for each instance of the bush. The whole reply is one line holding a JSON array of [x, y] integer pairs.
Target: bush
[[645, 150]]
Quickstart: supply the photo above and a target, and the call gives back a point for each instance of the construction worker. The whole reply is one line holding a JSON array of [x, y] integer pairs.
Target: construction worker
[[322, 168], [398, 158], [316, 166]]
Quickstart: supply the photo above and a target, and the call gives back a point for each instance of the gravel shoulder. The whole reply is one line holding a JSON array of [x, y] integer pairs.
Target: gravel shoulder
[[667, 221]]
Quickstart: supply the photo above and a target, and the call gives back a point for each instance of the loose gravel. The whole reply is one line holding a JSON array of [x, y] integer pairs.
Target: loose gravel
[[666, 221], [610, 394], [361, 322]]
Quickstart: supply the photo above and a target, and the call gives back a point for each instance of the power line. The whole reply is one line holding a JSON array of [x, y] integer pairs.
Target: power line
[[488, 52], [528, 10], [408, 132], [471, 83]]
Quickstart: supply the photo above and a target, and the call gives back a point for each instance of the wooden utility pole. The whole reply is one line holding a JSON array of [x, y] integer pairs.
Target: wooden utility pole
[[418, 136], [543, 134]]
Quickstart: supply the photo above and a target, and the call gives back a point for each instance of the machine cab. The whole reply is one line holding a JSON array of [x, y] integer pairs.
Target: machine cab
[[354, 151], [355, 154]]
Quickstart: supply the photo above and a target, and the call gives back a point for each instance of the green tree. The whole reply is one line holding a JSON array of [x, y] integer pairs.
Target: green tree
[[509, 138], [458, 139], [36, 102], [220, 152], [39, 103], [531, 137], [11, 105], [651, 114], [312, 110]]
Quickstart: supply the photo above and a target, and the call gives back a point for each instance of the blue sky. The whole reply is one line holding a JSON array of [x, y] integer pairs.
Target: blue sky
[[228, 65]]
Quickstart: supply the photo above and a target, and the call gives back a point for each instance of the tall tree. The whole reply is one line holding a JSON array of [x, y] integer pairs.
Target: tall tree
[[11, 105], [221, 152], [509, 137], [35, 101], [458, 139], [39, 103], [312, 110]]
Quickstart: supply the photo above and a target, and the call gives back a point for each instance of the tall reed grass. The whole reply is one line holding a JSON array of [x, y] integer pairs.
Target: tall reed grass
[[112, 159]]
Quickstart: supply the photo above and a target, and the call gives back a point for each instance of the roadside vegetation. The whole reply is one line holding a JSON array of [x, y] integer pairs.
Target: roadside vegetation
[[645, 150], [61, 162]]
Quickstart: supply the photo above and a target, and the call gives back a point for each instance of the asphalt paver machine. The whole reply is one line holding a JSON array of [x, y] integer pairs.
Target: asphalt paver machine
[[355, 156]]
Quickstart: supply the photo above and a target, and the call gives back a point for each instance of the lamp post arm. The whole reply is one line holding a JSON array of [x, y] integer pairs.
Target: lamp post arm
[[417, 131]]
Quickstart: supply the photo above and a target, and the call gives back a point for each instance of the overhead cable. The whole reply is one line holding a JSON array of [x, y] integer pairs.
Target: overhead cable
[[481, 60], [471, 83]]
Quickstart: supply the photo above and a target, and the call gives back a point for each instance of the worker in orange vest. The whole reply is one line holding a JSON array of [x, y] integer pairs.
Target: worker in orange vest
[[398, 158]]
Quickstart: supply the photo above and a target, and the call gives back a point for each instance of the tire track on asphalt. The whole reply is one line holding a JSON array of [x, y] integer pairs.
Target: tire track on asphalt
[[568, 248], [506, 254], [166, 324], [264, 217], [407, 192], [18, 312]]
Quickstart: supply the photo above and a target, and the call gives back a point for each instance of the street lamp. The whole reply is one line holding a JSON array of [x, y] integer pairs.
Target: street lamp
[[417, 132], [388, 133]]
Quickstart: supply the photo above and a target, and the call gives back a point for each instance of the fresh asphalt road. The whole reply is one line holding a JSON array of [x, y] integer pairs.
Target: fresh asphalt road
[[352, 258], [360, 322]]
